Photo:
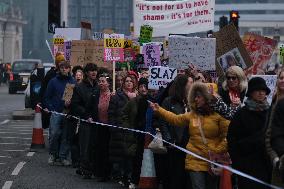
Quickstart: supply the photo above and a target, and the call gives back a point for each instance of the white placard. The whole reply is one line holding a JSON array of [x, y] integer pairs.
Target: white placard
[[69, 33], [200, 52], [174, 17], [161, 76]]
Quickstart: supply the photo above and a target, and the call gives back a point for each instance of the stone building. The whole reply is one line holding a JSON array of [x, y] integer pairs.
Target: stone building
[[11, 33]]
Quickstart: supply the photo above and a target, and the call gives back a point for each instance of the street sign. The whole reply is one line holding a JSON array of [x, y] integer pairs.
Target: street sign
[[51, 27]]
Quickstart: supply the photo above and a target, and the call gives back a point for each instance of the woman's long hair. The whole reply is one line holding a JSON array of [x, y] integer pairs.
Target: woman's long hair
[[238, 71], [178, 89]]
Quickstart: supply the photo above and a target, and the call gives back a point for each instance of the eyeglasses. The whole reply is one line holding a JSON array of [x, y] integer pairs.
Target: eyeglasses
[[233, 78]]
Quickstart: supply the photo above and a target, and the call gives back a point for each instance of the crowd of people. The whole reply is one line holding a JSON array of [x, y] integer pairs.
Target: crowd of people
[[231, 117]]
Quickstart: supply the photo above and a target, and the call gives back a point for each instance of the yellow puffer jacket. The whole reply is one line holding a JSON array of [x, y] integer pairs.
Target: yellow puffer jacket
[[215, 130]]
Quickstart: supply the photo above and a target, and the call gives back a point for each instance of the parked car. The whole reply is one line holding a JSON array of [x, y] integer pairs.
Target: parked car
[[20, 73], [47, 67]]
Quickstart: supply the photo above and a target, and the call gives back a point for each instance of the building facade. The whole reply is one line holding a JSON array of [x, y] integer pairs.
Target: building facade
[[11, 33]]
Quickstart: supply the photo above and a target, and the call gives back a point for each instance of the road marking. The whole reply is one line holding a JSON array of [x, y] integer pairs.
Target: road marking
[[7, 143], [30, 154], [14, 150], [18, 168], [5, 157], [16, 138], [4, 122], [15, 133], [2, 163], [7, 185]]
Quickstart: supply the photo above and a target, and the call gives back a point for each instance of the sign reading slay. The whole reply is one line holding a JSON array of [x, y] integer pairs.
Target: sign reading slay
[[161, 76], [200, 52], [177, 17]]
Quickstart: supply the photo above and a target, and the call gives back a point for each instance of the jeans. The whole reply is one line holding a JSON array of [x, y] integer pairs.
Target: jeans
[[58, 145], [202, 180]]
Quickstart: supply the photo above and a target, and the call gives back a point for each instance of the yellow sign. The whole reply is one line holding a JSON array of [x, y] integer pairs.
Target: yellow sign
[[58, 41], [113, 43]]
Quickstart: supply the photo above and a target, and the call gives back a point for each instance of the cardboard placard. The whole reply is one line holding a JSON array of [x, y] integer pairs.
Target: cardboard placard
[[229, 41], [188, 50], [161, 76], [260, 50], [68, 92]]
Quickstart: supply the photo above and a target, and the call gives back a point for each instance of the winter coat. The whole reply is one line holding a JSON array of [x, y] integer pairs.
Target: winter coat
[[215, 130], [115, 112], [277, 129], [226, 97], [81, 100], [170, 133], [54, 92], [129, 121], [246, 145]]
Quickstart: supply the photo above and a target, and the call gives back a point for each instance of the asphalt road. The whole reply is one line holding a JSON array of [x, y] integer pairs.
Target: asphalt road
[[20, 168]]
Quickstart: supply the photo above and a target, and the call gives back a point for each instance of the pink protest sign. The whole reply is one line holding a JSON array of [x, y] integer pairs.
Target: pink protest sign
[[113, 54]]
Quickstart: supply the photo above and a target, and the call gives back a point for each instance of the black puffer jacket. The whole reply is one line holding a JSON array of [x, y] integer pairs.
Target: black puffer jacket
[[177, 135], [81, 99], [115, 113]]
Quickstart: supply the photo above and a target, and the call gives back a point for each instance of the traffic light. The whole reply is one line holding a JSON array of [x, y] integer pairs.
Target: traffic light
[[223, 21], [54, 13], [234, 18]]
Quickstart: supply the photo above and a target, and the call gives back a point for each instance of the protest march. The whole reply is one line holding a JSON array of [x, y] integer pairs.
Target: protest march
[[164, 109]]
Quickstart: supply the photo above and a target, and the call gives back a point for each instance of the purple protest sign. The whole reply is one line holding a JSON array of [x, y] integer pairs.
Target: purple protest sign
[[151, 54], [67, 50]]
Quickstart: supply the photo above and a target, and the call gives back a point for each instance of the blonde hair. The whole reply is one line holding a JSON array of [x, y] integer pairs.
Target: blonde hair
[[278, 92], [238, 71]]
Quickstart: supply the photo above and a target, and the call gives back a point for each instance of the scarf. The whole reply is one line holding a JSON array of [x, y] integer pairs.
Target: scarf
[[255, 106]]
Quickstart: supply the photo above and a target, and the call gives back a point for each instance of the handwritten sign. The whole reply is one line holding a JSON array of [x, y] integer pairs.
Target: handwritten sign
[[260, 50], [281, 53], [113, 54], [271, 81], [146, 34], [161, 76], [67, 50], [98, 36], [113, 40], [68, 92], [179, 17], [187, 50], [151, 54]]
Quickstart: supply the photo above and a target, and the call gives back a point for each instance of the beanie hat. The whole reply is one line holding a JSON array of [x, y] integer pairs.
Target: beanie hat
[[255, 84], [143, 81], [59, 57], [64, 63], [133, 73]]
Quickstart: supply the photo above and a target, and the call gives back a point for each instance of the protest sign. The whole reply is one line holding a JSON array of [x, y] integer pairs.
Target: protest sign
[[271, 81], [146, 33], [187, 50], [98, 36], [69, 33], [68, 92], [67, 50], [129, 55], [281, 53], [260, 50], [88, 51], [113, 47], [58, 44], [176, 17], [229, 46], [161, 76], [151, 54]]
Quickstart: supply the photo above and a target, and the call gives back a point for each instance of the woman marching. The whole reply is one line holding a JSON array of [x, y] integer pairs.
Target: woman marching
[[203, 124]]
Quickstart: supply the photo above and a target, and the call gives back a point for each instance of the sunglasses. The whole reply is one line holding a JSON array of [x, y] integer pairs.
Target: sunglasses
[[231, 78]]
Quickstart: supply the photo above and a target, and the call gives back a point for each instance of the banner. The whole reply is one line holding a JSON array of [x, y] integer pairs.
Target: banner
[[271, 81], [161, 76], [260, 50], [230, 50], [174, 17], [151, 54], [188, 50]]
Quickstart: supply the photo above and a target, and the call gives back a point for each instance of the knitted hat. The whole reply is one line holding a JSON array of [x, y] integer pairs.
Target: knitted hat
[[143, 81], [134, 74], [255, 84], [59, 57]]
